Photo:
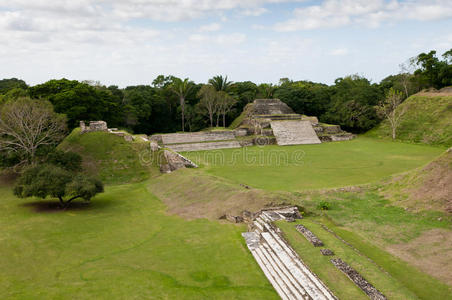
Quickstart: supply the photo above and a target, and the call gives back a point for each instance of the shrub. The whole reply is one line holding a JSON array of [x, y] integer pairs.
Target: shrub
[[324, 205]]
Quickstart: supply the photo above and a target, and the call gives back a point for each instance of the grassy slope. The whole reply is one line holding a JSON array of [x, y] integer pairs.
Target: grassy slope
[[122, 246], [391, 285], [426, 188], [305, 167], [427, 120], [110, 157]]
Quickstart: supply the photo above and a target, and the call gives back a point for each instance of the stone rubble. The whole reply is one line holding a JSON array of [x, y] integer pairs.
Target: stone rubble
[[311, 237], [362, 283]]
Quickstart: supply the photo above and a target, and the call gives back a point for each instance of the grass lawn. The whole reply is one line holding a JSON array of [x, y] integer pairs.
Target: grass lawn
[[305, 167], [397, 281], [121, 246]]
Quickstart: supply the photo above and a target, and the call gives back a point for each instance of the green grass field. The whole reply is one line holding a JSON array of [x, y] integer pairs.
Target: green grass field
[[305, 167], [123, 246], [126, 245]]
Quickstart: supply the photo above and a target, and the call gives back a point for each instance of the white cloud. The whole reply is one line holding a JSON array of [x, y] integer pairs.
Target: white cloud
[[254, 12], [339, 52], [372, 13], [210, 27]]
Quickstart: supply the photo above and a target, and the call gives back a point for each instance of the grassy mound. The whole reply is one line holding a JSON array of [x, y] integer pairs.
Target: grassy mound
[[427, 188], [427, 120], [238, 121], [110, 157]]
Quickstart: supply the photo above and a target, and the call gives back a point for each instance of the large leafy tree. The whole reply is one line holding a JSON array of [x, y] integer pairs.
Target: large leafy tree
[[80, 101], [432, 71], [12, 83], [353, 104], [27, 125], [181, 88], [52, 181]]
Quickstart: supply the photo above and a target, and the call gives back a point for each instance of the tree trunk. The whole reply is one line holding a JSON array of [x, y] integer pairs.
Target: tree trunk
[[182, 106], [224, 120], [393, 132], [211, 120]]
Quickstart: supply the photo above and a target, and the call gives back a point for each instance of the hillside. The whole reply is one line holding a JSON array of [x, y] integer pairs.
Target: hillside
[[110, 157], [426, 188], [428, 120]]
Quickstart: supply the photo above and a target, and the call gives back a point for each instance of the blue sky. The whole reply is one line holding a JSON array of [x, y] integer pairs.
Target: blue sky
[[131, 42]]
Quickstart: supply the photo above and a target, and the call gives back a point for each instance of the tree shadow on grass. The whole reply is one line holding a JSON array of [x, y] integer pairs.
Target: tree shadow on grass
[[53, 206]]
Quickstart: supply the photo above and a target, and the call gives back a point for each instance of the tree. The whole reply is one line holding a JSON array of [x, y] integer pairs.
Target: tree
[[267, 90], [181, 88], [26, 125], [12, 83], [208, 101], [388, 108], [220, 83], [225, 103], [52, 181]]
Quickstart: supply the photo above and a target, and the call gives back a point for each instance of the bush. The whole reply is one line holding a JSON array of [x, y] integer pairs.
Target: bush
[[324, 205]]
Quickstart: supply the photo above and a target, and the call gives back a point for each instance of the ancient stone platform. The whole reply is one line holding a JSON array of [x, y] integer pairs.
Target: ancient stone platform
[[290, 277], [203, 146], [294, 132]]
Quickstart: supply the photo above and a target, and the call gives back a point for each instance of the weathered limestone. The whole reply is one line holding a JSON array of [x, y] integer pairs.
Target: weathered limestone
[[290, 277], [294, 133], [93, 126], [362, 283], [271, 107], [326, 252], [204, 146], [311, 237], [197, 137], [175, 161]]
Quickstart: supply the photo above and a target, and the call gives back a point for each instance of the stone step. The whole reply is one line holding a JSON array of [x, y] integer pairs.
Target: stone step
[[294, 132], [315, 282], [285, 273], [196, 137], [301, 277], [204, 146], [271, 275]]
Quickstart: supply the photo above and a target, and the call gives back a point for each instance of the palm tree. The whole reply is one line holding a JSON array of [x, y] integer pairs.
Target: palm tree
[[220, 83], [181, 88], [267, 90]]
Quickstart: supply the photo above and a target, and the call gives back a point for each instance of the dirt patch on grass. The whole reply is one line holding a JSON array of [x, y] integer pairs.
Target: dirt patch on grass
[[431, 252], [192, 194]]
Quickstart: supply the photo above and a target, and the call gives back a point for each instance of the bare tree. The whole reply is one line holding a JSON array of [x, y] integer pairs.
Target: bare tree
[[208, 101], [181, 88], [226, 102], [26, 125], [389, 108], [405, 74]]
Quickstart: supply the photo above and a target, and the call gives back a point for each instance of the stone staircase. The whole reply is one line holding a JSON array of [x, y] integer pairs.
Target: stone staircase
[[204, 146], [294, 132], [290, 277]]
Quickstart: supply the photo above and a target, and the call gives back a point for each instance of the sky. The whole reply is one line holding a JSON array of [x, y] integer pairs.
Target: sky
[[119, 42]]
